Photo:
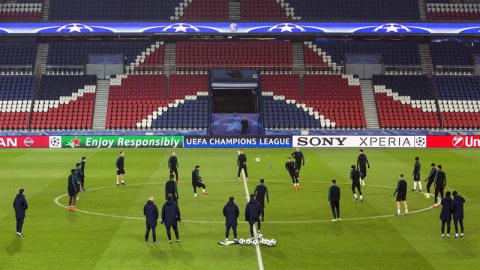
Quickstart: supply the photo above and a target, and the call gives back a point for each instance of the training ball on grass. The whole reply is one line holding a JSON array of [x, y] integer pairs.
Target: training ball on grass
[[241, 241], [273, 242], [257, 159], [266, 242], [248, 241], [255, 242], [259, 236]]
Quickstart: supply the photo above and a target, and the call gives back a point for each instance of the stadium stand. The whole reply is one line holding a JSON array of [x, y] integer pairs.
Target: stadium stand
[[16, 95], [262, 10], [197, 56], [405, 102], [64, 102], [287, 86], [21, 12], [206, 10], [459, 100], [17, 56], [452, 11], [453, 54]]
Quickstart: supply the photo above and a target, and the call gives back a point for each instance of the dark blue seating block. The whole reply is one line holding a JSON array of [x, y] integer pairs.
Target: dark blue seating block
[[417, 87]]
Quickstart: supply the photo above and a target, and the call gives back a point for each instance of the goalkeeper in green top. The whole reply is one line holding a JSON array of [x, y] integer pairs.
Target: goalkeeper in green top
[[197, 181]]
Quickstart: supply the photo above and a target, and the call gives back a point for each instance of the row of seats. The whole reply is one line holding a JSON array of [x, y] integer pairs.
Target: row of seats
[[21, 54], [206, 10], [16, 95], [453, 12], [262, 10]]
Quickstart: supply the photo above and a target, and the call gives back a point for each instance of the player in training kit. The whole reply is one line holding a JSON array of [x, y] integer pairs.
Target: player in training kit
[[121, 168], [231, 213], [334, 200], [291, 167], [362, 162], [170, 217], [299, 159], [197, 181], [252, 214], [171, 188], [431, 179], [440, 183], [173, 166], [416, 174], [242, 164], [72, 190], [82, 164], [401, 193], [260, 192], [457, 211], [355, 175], [446, 214], [78, 177]]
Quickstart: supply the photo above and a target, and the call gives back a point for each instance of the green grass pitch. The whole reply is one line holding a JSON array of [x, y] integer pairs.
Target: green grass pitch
[[370, 237]]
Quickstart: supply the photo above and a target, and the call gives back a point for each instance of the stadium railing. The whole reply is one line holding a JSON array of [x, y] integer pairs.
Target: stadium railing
[[403, 69], [16, 70], [454, 70], [201, 67], [65, 70]]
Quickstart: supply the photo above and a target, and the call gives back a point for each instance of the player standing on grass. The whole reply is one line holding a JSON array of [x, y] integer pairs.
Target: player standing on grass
[[457, 210], [170, 216], [121, 167], [355, 175], [431, 179], [440, 183], [150, 211], [171, 188], [260, 192], [231, 213], [72, 190], [173, 165], [252, 214], [242, 164], [446, 214], [416, 174], [334, 200], [82, 164], [299, 159], [197, 181], [401, 192], [291, 167], [362, 162], [20, 206], [78, 177]]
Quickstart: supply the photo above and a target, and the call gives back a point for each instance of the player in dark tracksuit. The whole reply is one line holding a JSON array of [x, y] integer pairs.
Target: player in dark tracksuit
[[260, 192], [362, 162], [173, 165], [231, 213], [171, 188], [252, 214], [72, 190], [334, 200], [431, 179], [291, 167], [20, 206], [82, 164], [299, 159], [440, 183], [78, 177], [446, 214], [416, 174], [355, 175], [457, 211], [121, 168], [242, 164], [197, 181], [401, 192], [170, 217]]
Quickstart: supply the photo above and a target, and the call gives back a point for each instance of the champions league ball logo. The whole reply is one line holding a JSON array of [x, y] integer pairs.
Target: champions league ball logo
[[75, 28], [180, 28], [392, 28], [286, 28]]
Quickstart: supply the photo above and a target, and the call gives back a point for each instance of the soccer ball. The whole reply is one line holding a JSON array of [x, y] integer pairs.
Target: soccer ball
[[248, 241], [273, 242], [257, 159], [267, 242], [255, 242], [259, 236], [241, 241]]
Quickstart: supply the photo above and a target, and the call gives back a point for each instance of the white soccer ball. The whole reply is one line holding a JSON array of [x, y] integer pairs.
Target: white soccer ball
[[255, 242], [267, 242], [259, 236], [262, 241], [241, 241], [248, 241], [257, 159], [273, 242]]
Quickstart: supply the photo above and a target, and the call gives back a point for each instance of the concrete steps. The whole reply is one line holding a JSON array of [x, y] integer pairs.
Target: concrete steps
[[369, 104]]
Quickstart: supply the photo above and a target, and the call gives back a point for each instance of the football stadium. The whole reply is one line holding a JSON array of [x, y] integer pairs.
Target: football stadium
[[239, 134]]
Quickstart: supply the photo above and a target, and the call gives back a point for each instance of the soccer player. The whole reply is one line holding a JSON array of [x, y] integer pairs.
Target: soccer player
[[252, 214], [242, 164], [446, 214], [416, 174], [197, 181], [173, 165], [440, 183], [401, 192], [299, 159], [355, 175], [171, 188], [72, 190], [82, 181], [78, 177], [121, 168], [334, 200], [244, 124], [231, 213], [170, 216], [150, 211], [431, 179], [291, 167], [457, 211], [362, 162], [260, 192], [20, 206]]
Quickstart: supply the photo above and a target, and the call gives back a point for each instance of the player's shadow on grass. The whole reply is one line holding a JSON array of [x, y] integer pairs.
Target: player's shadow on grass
[[15, 246]]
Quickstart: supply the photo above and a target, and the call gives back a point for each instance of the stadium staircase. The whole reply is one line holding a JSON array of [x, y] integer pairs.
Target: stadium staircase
[[369, 104], [45, 10], [423, 9], [38, 58], [101, 105], [170, 58], [426, 58], [234, 12], [298, 57], [43, 58]]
